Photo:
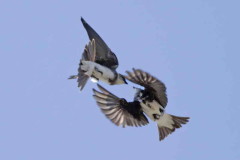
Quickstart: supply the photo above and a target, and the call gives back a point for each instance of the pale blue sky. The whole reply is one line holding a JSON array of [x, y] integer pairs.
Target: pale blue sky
[[192, 46]]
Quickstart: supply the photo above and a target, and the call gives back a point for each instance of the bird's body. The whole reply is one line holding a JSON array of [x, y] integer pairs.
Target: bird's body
[[97, 62], [150, 106], [150, 101], [152, 109], [166, 123], [99, 72]]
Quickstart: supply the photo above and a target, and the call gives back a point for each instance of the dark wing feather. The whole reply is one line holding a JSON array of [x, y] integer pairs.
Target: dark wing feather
[[88, 54], [104, 54], [117, 110], [149, 82]]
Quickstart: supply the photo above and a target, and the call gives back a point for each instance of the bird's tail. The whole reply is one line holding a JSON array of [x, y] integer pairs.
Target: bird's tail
[[73, 77], [168, 123], [89, 54], [82, 80]]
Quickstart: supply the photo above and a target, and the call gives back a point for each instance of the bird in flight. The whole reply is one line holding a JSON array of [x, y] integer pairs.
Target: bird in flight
[[150, 101], [98, 62]]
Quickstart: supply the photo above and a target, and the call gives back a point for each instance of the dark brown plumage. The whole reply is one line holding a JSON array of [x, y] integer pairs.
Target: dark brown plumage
[[104, 55], [152, 85], [119, 111]]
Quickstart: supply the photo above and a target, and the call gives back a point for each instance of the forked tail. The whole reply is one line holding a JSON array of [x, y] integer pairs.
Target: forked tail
[[168, 123]]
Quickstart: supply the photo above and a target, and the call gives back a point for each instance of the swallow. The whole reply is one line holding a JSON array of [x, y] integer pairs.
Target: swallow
[[98, 62], [148, 102]]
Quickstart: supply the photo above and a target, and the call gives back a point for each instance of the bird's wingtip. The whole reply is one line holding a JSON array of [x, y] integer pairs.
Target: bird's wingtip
[[83, 21], [99, 86], [94, 90]]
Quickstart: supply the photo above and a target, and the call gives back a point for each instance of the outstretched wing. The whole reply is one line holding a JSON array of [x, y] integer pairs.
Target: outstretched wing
[[89, 54], [104, 55], [119, 111], [150, 83]]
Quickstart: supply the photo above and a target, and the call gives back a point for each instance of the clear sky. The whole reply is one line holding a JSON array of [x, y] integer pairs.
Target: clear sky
[[192, 46]]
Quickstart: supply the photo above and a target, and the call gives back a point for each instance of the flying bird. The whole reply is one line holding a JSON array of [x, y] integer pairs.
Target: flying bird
[[150, 101], [98, 62]]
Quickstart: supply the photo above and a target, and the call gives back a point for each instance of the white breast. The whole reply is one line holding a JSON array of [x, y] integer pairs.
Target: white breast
[[103, 73], [150, 108], [97, 71]]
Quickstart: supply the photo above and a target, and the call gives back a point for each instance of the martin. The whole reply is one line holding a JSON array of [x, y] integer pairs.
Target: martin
[[98, 62], [150, 101]]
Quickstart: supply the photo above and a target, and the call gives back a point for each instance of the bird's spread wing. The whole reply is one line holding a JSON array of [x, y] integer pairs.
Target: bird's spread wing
[[104, 55], [119, 111], [149, 82], [89, 54]]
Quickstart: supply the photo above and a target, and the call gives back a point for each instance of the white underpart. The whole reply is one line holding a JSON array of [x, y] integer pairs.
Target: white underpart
[[98, 71], [165, 121], [151, 108]]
